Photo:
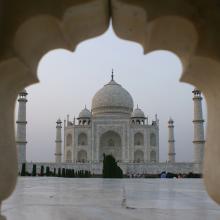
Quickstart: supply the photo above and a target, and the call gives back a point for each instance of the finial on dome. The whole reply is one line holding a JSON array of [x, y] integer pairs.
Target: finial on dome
[[112, 75]]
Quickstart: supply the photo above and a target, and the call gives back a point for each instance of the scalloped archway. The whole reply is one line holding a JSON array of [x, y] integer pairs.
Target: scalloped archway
[[30, 29]]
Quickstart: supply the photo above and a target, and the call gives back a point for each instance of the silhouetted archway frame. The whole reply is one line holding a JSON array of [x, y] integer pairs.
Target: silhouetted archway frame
[[32, 28]]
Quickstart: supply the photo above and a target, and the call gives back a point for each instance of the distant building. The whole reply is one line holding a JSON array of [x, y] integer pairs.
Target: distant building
[[111, 127], [114, 127]]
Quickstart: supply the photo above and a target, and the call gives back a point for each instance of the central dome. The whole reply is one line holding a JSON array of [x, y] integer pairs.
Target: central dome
[[112, 98]]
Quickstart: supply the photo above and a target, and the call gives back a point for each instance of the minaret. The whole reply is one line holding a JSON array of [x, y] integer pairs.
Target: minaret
[[58, 153], [21, 127], [171, 142], [198, 121]]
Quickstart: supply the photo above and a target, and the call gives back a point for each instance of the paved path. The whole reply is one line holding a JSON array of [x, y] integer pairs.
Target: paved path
[[109, 199]]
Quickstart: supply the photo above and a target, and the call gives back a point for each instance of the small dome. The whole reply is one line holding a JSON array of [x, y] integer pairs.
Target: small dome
[[137, 113], [85, 113], [59, 121], [23, 92], [112, 98], [170, 121]]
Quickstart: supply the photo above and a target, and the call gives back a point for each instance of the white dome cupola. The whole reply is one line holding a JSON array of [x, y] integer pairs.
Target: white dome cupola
[[138, 116], [138, 113], [85, 113], [112, 98], [84, 117]]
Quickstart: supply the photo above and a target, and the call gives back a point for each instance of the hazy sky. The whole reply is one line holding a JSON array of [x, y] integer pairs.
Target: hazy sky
[[68, 81]]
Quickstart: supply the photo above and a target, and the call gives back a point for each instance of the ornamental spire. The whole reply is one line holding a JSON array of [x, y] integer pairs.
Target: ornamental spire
[[112, 75]]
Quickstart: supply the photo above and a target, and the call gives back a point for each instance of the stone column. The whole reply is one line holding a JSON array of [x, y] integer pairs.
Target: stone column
[[199, 142], [171, 142], [21, 127], [58, 153]]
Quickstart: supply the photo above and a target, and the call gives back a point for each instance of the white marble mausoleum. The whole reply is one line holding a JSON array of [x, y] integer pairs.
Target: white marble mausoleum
[[112, 126]]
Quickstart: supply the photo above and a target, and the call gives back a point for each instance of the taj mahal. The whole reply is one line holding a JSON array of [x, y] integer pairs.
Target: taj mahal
[[114, 127], [111, 127]]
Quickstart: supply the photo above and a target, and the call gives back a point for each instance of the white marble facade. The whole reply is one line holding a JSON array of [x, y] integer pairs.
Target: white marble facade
[[113, 127]]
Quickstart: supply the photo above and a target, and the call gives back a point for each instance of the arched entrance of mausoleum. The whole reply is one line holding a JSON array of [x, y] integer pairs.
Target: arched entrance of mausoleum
[[110, 144]]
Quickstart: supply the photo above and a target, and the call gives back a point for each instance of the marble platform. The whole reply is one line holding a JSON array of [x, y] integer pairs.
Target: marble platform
[[109, 199]]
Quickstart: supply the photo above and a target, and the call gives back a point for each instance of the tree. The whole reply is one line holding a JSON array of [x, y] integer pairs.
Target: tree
[[73, 173], [42, 170], [110, 168], [67, 172], [63, 172], [47, 171], [59, 172], [23, 169], [34, 170]]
